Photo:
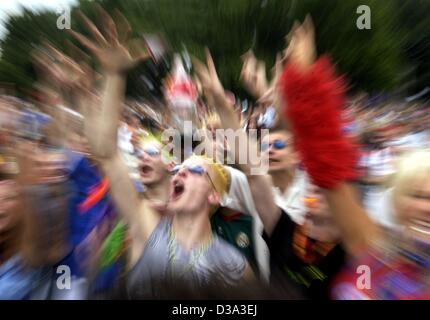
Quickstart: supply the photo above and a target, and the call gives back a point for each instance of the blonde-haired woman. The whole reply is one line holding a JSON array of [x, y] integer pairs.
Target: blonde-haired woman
[[397, 260]]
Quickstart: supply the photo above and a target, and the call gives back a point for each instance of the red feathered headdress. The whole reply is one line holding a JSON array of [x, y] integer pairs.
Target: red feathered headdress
[[314, 101]]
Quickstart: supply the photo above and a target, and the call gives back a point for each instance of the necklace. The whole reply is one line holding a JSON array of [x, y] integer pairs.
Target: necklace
[[195, 255]]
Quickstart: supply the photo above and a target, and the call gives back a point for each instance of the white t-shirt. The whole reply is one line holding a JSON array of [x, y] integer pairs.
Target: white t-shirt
[[240, 198], [291, 201]]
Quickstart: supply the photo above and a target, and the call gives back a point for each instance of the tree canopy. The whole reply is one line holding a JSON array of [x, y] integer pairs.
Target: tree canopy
[[392, 55]]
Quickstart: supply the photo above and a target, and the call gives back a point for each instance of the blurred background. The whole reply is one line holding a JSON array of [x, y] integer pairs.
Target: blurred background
[[389, 60], [42, 132]]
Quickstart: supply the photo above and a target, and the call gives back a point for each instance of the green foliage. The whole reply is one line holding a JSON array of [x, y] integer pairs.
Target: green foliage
[[374, 60]]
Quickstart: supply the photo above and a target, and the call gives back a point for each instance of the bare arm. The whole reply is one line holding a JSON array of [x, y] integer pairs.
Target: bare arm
[[253, 75], [102, 119], [376, 180], [104, 139], [264, 201], [357, 229], [42, 205], [101, 123]]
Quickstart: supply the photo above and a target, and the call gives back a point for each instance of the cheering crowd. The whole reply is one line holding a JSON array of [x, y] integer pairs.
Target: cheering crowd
[[94, 205]]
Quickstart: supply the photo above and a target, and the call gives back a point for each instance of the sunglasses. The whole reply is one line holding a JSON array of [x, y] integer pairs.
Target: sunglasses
[[193, 169], [149, 150], [277, 145]]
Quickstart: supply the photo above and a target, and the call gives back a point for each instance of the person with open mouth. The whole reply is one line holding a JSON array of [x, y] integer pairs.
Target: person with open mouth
[[164, 249], [182, 246]]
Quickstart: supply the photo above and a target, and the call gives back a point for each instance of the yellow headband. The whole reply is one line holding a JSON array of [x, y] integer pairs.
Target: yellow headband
[[218, 174]]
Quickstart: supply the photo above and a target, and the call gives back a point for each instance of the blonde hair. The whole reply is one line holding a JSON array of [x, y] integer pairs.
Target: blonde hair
[[219, 175], [410, 168], [211, 120], [150, 138]]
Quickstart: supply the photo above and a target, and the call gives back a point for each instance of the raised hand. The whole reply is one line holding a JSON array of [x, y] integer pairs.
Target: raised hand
[[61, 72], [301, 49], [300, 52], [112, 50], [270, 96], [209, 80], [67, 83], [69, 78], [253, 75]]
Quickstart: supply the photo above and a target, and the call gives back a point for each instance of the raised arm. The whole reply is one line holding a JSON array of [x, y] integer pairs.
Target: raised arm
[[102, 119], [264, 201], [357, 228], [315, 97], [253, 75], [43, 205]]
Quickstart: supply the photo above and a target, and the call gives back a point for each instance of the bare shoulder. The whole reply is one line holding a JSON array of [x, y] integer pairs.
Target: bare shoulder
[[147, 220]]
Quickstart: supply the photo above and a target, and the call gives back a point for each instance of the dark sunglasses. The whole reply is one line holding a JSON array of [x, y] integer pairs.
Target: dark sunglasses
[[193, 169], [277, 144]]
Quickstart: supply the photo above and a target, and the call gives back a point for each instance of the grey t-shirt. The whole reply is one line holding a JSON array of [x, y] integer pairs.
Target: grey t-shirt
[[164, 261]]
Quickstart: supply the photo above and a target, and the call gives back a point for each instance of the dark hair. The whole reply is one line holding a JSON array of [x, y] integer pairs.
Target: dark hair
[[279, 125], [7, 176]]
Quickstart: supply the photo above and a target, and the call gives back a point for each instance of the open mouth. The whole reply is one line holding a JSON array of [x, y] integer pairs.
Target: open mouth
[[273, 161], [420, 226], [178, 190], [145, 170]]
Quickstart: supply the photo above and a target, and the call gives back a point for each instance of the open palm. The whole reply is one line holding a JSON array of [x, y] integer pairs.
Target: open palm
[[112, 50]]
